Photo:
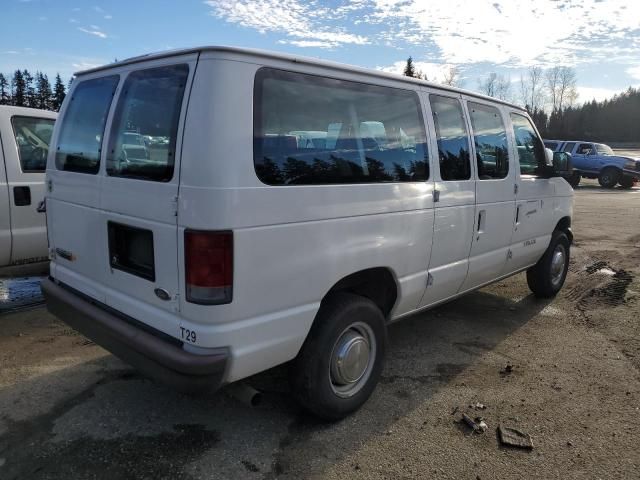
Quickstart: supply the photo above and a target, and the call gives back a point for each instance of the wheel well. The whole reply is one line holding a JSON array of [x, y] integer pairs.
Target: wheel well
[[377, 284], [564, 225]]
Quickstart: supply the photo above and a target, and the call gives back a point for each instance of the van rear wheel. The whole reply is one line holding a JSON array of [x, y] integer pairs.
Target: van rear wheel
[[341, 360], [545, 278]]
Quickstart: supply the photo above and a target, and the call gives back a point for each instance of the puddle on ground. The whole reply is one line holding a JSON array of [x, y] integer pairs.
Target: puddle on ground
[[19, 292]]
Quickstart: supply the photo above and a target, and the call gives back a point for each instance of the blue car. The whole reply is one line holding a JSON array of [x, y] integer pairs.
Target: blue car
[[597, 160]]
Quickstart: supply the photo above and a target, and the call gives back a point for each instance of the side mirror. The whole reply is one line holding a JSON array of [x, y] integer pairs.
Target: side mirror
[[548, 153], [562, 164]]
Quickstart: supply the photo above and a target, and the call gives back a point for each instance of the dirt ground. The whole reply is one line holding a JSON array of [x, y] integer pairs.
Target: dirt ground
[[70, 410]]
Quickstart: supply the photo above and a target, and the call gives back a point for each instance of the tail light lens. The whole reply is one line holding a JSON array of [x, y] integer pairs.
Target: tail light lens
[[208, 259]]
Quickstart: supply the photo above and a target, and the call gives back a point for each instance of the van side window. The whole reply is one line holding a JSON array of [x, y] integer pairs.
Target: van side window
[[529, 146], [33, 136], [316, 130], [80, 139], [490, 137], [142, 143], [568, 147], [453, 141]]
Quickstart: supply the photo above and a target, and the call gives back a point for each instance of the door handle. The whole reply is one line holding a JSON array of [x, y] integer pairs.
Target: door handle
[[482, 218], [518, 214], [42, 206], [21, 196]]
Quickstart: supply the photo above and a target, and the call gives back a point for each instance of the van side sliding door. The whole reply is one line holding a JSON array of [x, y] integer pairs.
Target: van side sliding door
[[454, 197]]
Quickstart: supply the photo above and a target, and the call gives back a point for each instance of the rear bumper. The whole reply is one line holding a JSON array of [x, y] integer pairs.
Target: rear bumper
[[152, 355]]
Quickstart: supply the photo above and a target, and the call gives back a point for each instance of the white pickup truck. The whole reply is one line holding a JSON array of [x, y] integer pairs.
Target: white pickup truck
[[24, 145]]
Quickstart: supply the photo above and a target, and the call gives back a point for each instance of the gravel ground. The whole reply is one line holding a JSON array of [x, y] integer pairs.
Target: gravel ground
[[70, 410]]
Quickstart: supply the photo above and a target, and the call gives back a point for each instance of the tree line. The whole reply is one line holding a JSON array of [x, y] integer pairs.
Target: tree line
[[550, 96], [24, 89]]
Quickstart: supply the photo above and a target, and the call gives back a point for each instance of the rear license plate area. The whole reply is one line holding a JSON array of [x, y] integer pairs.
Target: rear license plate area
[[131, 250]]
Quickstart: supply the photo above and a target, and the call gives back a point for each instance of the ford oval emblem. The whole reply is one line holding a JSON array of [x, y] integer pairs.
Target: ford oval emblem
[[162, 294]]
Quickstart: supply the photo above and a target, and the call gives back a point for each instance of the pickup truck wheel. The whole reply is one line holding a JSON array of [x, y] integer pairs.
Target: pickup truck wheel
[[341, 360], [574, 179], [609, 177], [545, 278], [627, 182]]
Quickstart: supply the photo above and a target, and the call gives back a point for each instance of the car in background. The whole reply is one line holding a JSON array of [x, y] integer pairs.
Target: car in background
[[25, 134], [597, 160]]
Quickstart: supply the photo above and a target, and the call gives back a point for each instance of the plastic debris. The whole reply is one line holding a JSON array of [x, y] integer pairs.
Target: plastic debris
[[513, 437], [471, 423]]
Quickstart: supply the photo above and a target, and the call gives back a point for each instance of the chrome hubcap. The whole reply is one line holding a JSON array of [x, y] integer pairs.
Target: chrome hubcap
[[558, 261], [352, 359]]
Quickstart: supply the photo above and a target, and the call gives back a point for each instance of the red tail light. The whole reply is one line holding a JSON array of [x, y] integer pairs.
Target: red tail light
[[208, 260]]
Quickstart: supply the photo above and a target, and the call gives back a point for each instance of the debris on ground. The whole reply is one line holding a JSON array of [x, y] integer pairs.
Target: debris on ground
[[478, 425], [513, 437], [481, 423], [507, 370], [478, 406]]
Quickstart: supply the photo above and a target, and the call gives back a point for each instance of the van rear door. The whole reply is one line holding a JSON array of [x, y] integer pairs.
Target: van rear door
[[117, 223]]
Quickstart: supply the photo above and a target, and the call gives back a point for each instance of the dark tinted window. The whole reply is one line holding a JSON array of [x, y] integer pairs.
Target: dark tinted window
[[490, 137], [551, 145], [33, 136], [143, 133], [453, 141], [315, 130], [80, 139], [568, 147], [529, 146]]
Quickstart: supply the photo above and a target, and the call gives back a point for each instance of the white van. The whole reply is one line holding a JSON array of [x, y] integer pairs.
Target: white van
[[25, 134], [286, 209]]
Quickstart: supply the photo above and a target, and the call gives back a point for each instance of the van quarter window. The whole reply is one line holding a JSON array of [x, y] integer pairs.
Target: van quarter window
[[142, 143], [316, 130], [490, 137], [529, 146], [80, 140], [32, 137], [453, 141]]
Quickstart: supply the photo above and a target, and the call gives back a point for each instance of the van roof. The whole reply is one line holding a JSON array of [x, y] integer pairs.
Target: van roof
[[28, 111], [294, 59]]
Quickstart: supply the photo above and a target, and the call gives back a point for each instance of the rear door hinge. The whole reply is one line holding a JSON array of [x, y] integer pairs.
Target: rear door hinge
[[436, 195], [515, 188], [174, 205]]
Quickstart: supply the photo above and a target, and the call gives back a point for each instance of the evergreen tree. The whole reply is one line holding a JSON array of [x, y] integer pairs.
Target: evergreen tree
[[58, 93], [409, 69], [29, 90], [43, 93], [5, 98], [18, 88]]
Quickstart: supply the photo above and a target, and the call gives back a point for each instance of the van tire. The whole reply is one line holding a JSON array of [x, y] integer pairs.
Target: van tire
[[311, 374], [608, 177], [544, 278], [627, 182]]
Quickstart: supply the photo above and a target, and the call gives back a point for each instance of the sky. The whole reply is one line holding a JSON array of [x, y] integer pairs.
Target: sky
[[600, 39]]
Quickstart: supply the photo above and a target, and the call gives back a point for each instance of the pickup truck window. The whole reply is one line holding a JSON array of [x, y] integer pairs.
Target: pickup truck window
[[490, 137], [584, 149], [603, 149], [33, 136], [529, 146], [315, 130], [80, 139], [568, 147], [453, 140], [142, 143]]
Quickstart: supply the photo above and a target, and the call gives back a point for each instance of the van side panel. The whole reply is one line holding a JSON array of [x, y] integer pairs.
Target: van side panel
[[5, 219], [291, 243]]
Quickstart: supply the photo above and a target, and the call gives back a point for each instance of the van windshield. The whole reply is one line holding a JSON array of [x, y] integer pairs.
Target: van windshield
[[143, 134]]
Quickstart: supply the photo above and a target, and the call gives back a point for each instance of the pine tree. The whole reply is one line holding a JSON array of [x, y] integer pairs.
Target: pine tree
[[29, 90], [58, 94], [43, 91], [409, 69], [5, 98], [18, 88]]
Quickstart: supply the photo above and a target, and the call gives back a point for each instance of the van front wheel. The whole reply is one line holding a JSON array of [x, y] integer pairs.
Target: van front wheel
[[546, 277], [340, 362]]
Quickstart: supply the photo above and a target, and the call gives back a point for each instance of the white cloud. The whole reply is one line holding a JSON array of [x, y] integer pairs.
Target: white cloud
[[10, 52], [94, 30], [302, 22], [634, 72], [435, 72], [586, 94], [108, 17]]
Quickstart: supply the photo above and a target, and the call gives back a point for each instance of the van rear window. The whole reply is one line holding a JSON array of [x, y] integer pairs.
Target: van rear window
[[143, 135], [316, 130], [80, 139]]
